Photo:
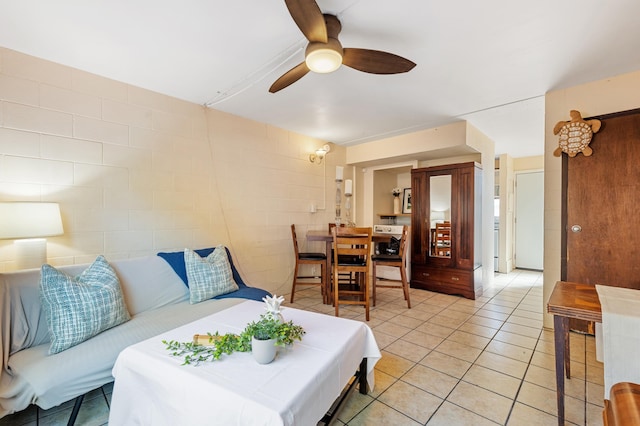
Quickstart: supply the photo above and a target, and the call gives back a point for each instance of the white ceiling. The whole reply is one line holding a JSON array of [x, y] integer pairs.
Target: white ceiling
[[489, 62]]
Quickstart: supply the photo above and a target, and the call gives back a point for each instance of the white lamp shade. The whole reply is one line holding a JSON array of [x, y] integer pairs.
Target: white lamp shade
[[29, 220]]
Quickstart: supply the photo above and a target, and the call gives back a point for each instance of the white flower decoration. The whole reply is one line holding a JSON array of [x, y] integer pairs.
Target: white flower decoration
[[273, 304]]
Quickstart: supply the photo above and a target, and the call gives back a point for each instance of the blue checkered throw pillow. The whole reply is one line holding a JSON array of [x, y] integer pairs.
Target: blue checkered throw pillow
[[208, 277], [78, 308]]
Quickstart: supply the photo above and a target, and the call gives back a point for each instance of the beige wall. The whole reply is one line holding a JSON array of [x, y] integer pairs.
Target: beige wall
[[405, 147], [136, 172], [507, 214], [528, 163], [478, 140], [600, 97], [508, 167]]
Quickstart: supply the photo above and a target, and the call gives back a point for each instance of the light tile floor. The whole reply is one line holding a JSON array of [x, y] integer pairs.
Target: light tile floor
[[446, 361]]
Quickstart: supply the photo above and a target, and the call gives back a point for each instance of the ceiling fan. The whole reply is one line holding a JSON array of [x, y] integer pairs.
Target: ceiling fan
[[324, 52]]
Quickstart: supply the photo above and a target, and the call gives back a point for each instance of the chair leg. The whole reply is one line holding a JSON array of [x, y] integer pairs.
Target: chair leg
[[335, 293], [330, 285], [295, 278], [323, 284], [405, 285], [366, 295], [75, 411], [373, 283]]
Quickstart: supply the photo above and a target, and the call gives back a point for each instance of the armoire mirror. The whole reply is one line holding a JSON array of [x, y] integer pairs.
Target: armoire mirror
[[440, 216]]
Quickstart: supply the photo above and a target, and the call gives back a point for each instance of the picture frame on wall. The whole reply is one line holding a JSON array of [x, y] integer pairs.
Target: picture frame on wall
[[406, 201]]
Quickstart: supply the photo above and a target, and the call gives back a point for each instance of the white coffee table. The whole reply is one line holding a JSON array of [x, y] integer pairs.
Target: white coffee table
[[297, 388]]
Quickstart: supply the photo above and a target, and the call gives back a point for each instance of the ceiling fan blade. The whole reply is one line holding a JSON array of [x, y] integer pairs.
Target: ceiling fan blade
[[376, 61], [290, 77], [307, 15]]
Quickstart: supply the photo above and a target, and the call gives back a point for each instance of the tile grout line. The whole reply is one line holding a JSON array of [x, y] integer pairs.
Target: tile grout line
[[505, 287], [513, 403], [531, 286], [533, 352]]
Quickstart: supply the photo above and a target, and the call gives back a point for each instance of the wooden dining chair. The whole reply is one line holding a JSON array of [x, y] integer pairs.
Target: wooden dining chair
[[344, 278], [308, 258], [351, 254], [396, 260], [623, 406], [443, 239]]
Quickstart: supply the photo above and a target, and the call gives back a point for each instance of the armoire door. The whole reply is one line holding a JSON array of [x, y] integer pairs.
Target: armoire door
[[602, 202]]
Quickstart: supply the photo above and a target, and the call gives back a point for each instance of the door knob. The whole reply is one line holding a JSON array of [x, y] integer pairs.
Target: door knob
[[576, 228]]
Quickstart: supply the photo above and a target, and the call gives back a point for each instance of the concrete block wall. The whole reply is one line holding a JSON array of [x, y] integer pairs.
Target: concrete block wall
[[136, 172]]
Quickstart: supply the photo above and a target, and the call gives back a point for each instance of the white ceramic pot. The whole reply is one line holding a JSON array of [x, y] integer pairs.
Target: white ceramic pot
[[264, 351]]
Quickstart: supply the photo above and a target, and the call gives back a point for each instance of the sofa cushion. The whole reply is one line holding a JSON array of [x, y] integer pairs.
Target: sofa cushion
[[176, 260], [210, 276], [253, 293], [78, 308], [148, 283]]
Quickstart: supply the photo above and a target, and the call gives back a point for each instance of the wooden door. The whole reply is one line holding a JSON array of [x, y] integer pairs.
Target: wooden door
[[601, 199]]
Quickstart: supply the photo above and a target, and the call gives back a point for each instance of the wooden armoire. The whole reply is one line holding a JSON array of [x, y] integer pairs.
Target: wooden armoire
[[447, 197]]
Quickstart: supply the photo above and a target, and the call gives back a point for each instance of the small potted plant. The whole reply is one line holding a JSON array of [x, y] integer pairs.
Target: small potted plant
[[268, 333]]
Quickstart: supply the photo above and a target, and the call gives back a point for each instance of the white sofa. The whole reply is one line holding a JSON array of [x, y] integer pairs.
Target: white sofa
[[156, 297]]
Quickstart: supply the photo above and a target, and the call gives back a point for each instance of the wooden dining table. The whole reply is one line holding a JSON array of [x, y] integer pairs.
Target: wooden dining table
[[317, 235]]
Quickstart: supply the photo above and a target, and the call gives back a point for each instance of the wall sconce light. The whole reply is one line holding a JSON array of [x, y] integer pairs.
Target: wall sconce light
[[27, 223], [318, 156]]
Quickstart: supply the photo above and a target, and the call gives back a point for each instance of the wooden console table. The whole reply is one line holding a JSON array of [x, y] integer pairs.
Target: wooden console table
[[569, 300]]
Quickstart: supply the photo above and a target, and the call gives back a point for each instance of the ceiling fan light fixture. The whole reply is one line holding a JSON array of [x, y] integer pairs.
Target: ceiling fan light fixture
[[324, 53], [323, 57]]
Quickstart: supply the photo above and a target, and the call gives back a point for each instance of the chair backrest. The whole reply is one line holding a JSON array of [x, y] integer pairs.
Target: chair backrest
[[354, 243], [443, 232], [295, 240], [403, 242], [443, 239], [333, 225]]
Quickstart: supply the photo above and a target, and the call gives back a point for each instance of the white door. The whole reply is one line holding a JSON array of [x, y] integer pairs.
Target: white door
[[529, 215]]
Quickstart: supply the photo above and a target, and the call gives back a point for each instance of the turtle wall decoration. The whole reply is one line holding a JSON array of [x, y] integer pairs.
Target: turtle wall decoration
[[575, 135]]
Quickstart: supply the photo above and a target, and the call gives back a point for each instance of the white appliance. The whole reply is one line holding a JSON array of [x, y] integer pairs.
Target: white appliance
[[390, 272]]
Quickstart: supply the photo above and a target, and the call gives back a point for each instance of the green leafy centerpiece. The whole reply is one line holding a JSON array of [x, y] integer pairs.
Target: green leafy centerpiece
[[211, 346]]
